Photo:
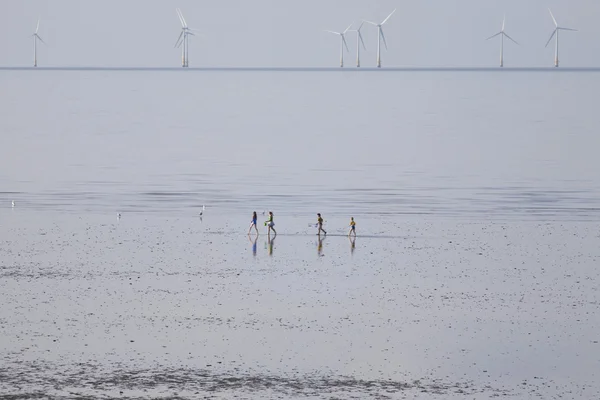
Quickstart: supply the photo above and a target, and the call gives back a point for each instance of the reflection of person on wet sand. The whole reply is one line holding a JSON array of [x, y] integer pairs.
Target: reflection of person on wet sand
[[271, 243], [320, 246], [352, 244], [253, 243]]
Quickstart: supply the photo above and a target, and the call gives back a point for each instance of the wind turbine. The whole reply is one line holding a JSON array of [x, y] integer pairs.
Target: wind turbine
[[359, 40], [380, 36], [556, 29], [36, 37], [183, 39], [502, 35], [342, 43]]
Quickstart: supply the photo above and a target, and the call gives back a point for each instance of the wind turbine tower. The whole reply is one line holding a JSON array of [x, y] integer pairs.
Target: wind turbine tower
[[359, 40], [380, 36], [182, 40], [36, 37], [502, 35], [342, 43], [555, 33]]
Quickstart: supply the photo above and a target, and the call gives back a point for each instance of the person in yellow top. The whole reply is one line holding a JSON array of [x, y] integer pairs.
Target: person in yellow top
[[320, 225], [352, 227]]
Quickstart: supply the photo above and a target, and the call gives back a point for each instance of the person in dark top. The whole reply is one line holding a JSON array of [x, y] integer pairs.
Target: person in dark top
[[253, 223]]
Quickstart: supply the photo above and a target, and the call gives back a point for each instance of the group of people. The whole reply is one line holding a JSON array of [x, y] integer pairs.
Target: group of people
[[271, 225]]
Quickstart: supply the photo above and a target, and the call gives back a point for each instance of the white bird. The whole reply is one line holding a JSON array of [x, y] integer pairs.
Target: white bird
[[202, 212], [13, 204]]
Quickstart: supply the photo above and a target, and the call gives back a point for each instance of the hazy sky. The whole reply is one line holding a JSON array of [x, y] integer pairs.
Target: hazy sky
[[286, 33]]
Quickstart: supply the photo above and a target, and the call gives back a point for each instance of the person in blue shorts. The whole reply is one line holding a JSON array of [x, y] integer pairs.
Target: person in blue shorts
[[352, 227], [253, 223]]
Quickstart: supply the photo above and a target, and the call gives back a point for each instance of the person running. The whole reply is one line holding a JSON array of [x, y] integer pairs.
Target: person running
[[253, 223], [352, 227], [270, 223], [320, 225]]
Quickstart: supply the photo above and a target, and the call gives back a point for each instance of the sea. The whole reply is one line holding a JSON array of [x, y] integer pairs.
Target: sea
[[463, 143]]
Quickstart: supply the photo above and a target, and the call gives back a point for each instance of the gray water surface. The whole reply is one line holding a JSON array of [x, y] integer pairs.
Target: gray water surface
[[461, 144]]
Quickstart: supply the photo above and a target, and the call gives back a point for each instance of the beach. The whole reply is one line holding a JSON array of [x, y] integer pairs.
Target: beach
[[172, 307]]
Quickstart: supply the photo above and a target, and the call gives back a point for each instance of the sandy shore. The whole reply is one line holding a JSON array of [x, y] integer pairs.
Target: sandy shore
[[156, 307]]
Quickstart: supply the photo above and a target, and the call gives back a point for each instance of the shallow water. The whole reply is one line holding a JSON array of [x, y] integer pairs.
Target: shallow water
[[459, 144]]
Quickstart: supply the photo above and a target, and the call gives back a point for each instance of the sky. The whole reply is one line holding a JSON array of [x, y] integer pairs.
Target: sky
[[242, 33]]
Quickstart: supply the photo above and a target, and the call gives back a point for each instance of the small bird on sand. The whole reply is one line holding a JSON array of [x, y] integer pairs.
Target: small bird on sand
[[202, 212]]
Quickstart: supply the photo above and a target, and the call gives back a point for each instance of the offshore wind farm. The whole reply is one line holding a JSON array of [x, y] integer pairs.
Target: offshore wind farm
[[183, 43]]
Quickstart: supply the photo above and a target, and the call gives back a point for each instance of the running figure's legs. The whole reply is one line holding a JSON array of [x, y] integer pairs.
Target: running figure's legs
[[321, 229]]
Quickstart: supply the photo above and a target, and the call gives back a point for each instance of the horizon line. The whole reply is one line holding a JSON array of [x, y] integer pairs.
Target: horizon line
[[304, 69]]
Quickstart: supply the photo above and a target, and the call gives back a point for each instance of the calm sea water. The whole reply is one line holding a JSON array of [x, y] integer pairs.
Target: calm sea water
[[464, 144]]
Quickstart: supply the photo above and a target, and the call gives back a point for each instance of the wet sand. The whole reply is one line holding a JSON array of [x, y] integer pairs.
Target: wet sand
[[156, 307]]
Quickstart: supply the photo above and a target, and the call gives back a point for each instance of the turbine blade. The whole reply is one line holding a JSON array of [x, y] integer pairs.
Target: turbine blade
[[369, 22], [37, 28], [553, 19], [191, 34], [348, 28], [568, 29], [183, 19], [503, 23], [510, 38], [493, 36], [383, 37], [361, 39], [177, 44], [388, 17], [335, 33], [551, 36], [41, 40], [180, 17], [360, 27], [345, 44]]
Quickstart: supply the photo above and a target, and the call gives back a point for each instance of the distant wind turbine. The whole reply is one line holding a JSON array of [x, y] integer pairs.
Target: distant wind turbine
[[342, 43], [183, 39], [380, 36], [36, 37], [359, 40], [502, 35], [556, 30]]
